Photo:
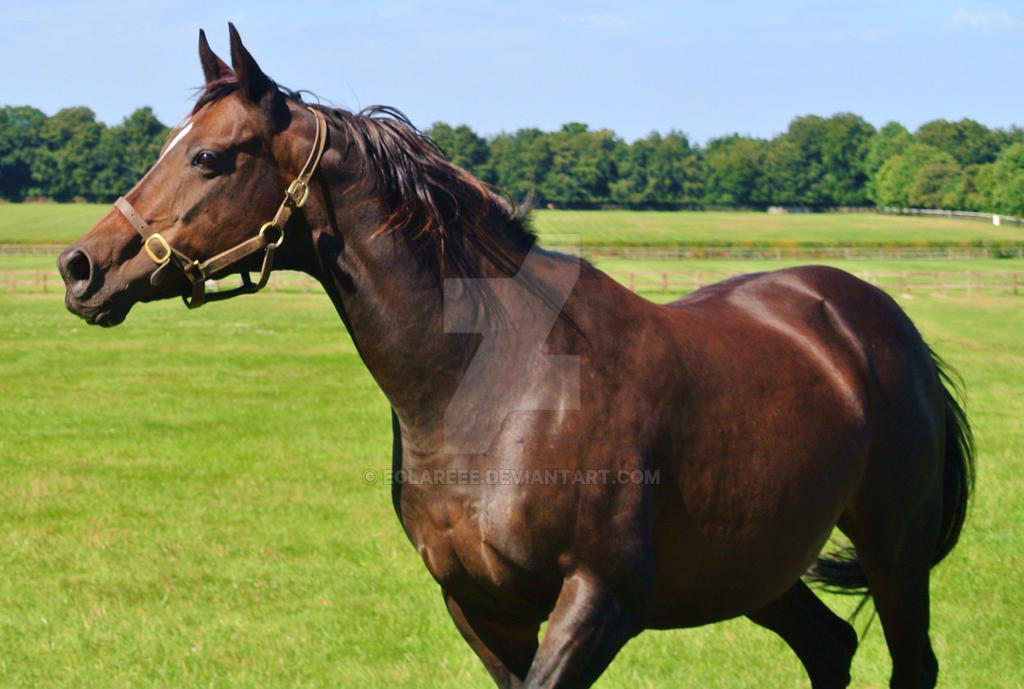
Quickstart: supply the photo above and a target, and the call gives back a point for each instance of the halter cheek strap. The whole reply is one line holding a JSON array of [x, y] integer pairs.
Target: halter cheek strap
[[269, 237]]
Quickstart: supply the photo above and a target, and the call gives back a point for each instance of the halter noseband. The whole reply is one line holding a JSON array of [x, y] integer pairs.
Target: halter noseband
[[269, 237]]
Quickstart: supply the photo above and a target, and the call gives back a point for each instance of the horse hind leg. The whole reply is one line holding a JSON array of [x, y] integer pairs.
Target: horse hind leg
[[897, 568], [824, 642], [894, 524]]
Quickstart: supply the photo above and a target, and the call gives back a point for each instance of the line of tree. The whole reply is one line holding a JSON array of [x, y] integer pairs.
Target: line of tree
[[817, 162], [71, 156]]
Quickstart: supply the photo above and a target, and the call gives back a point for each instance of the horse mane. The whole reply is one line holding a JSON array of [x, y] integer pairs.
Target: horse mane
[[453, 216]]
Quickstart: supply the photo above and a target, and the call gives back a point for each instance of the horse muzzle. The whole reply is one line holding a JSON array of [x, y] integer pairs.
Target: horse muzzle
[[84, 286]]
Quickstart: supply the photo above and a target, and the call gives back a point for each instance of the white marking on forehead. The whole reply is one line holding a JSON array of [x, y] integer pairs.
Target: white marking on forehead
[[177, 137]]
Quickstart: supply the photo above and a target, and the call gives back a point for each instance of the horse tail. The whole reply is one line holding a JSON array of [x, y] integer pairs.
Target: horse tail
[[839, 571], [958, 470]]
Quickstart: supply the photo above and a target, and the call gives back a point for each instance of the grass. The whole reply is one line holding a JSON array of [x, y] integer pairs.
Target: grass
[[31, 223], [185, 505], [981, 265], [185, 501], [612, 228], [51, 222]]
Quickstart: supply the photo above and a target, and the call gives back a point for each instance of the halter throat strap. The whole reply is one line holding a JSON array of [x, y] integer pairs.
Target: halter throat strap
[[268, 238]]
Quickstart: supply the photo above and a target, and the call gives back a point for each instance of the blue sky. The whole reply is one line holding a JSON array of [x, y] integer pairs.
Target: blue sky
[[707, 68]]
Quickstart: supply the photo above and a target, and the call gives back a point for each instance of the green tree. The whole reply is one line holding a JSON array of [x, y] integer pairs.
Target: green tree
[[822, 161], [660, 170], [20, 141], [843, 150], [127, 151], [735, 171], [895, 180], [584, 165], [969, 142], [1007, 137], [889, 141], [1002, 183], [463, 147], [937, 185], [67, 161], [970, 198], [519, 162], [788, 176]]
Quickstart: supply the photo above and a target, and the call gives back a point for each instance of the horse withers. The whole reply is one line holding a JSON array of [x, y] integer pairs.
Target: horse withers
[[756, 415]]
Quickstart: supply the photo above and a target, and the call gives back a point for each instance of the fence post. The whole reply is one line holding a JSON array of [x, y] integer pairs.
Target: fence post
[[664, 282], [1015, 283], [632, 282]]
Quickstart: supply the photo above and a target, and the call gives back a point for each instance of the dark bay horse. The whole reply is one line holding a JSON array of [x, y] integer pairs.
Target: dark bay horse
[[569, 451]]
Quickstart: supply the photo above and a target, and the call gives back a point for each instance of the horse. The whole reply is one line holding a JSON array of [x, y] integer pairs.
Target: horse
[[565, 450]]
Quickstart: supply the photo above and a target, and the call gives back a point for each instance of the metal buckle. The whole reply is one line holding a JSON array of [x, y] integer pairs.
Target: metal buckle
[[280, 233], [163, 244], [294, 187]]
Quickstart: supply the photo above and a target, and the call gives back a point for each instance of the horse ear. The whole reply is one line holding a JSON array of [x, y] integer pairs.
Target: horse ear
[[255, 84], [214, 69]]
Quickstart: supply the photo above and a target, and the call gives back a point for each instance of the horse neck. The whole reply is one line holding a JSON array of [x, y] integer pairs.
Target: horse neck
[[393, 304]]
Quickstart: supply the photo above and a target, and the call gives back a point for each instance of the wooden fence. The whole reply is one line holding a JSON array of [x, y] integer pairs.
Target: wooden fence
[[802, 252], [905, 283], [961, 283]]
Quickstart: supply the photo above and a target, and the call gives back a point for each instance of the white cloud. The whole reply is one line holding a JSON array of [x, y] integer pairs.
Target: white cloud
[[986, 21]]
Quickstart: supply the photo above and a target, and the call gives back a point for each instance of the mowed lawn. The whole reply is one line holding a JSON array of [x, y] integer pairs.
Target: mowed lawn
[[192, 499], [52, 222], [717, 228], [30, 223]]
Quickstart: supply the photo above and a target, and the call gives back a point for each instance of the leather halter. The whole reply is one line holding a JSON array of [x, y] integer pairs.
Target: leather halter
[[269, 237]]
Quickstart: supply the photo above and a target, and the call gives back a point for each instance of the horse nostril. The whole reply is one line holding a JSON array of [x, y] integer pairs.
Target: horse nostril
[[79, 267], [77, 270]]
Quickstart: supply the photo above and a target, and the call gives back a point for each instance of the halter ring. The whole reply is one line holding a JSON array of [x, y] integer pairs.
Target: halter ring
[[280, 233], [162, 245]]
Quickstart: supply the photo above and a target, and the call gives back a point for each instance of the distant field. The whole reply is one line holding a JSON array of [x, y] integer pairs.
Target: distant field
[[981, 265], [611, 228], [51, 222], [47, 222]]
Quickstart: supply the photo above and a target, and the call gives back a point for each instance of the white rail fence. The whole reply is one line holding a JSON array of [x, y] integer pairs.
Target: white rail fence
[[994, 218]]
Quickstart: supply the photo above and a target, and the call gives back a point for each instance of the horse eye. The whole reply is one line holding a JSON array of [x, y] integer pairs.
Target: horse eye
[[205, 159]]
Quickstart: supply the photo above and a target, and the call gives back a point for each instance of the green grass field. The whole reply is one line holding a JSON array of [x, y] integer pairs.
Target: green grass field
[[52, 222], [612, 228], [186, 504], [28, 223]]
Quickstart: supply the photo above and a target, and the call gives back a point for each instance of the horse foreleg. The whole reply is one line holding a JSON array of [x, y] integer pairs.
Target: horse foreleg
[[505, 649], [824, 643], [585, 630]]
